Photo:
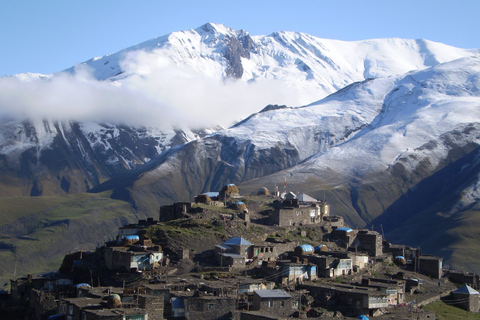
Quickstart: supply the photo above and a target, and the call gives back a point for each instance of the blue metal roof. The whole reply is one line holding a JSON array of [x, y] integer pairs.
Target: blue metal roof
[[306, 248], [237, 241], [467, 290]]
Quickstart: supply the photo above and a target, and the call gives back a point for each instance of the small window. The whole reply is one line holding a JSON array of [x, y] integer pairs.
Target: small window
[[210, 306], [270, 303], [282, 303]]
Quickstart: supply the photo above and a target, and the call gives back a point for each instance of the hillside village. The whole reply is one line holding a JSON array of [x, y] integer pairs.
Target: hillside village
[[257, 257]]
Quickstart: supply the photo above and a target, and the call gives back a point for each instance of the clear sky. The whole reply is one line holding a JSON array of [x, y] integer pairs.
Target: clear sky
[[50, 36]]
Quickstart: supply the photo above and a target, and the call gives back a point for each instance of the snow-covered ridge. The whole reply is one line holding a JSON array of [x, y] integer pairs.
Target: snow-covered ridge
[[417, 110], [317, 67], [339, 73]]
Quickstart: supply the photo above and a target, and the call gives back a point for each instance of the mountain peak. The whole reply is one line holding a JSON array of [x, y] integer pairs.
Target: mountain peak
[[214, 28]]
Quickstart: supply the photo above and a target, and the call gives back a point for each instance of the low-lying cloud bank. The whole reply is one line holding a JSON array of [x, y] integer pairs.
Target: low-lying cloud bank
[[152, 93]]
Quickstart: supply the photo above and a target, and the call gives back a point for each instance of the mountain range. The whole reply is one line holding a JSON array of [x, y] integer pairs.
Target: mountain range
[[386, 130]]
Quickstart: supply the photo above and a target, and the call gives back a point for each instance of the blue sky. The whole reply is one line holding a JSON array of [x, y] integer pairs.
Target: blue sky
[[49, 36]]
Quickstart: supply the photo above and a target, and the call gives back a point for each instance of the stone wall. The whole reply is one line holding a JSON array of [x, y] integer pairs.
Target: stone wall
[[209, 308], [42, 304]]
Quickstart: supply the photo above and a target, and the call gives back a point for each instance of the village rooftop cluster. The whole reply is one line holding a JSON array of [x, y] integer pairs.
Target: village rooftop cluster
[[343, 275]]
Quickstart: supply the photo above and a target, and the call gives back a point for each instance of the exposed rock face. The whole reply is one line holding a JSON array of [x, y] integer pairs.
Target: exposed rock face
[[237, 48], [52, 157]]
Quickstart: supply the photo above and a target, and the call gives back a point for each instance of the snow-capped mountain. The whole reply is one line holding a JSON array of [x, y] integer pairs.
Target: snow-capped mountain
[[53, 157], [367, 128], [50, 153], [314, 67]]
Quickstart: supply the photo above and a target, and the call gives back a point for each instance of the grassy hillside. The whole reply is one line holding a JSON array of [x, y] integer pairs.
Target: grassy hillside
[[36, 232], [445, 311]]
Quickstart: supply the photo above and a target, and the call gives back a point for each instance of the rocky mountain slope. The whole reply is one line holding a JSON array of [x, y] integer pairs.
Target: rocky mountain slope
[[60, 157]]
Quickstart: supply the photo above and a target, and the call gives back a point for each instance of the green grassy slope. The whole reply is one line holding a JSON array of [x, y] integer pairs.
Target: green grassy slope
[[36, 232]]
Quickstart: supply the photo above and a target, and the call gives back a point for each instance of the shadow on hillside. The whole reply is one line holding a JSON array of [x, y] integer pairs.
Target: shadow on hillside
[[421, 216]]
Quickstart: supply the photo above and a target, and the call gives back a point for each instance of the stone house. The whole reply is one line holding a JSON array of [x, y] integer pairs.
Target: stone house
[[298, 211], [275, 302], [73, 308], [353, 300], [296, 216], [359, 260], [200, 307], [97, 308], [127, 258], [346, 235], [467, 298], [469, 278], [394, 289], [297, 272], [154, 305], [134, 228], [430, 266], [174, 211], [334, 221], [329, 266], [369, 241], [264, 251], [232, 260], [251, 287], [233, 252]]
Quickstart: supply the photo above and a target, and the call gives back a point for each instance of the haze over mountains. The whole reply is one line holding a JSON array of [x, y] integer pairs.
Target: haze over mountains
[[385, 129]]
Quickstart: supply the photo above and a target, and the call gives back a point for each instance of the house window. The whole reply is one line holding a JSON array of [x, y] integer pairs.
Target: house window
[[282, 303], [270, 303], [210, 306]]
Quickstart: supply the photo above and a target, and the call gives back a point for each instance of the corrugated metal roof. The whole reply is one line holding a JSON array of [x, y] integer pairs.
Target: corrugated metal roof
[[223, 247], [466, 289], [232, 255], [237, 241], [275, 293], [303, 197], [306, 248]]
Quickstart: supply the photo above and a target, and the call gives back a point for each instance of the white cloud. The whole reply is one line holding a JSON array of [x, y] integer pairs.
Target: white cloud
[[156, 93]]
